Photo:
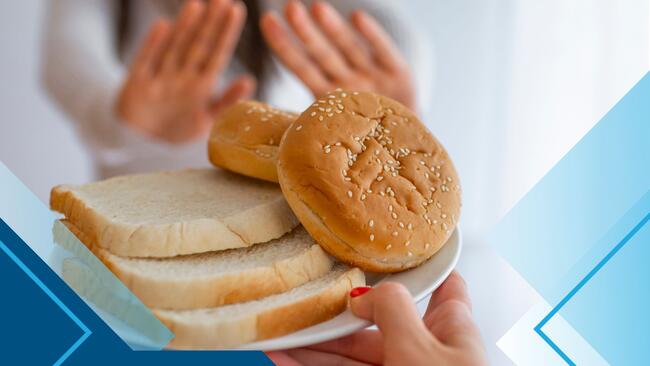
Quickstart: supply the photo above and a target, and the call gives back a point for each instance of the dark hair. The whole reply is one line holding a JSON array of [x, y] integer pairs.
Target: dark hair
[[252, 52]]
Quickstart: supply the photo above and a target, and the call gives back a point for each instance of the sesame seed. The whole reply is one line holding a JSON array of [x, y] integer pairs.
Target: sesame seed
[[376, 151], [371, 223], [388, 246], [320, 118], [350, 194], [380, 178], [421, 162], [409, 254], [408, 242], [395, 233], [410, 226], [426, 246], [401, 224], [390, 208], [299, 127], [449, 179], [247, 128], [393, 215], [347, 179], [444, 226], [363, 196], [372, 237], [444, 216]]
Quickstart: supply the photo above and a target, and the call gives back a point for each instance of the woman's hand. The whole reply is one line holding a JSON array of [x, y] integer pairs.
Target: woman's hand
[[168, 93], [332, 52], [446, 335]]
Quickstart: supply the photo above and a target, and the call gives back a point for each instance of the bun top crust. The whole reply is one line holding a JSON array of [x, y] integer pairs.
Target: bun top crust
[[252, 125], [374, 176]]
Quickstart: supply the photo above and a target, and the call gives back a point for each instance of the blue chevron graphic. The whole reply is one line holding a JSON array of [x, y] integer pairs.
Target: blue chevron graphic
[[30, 274], [581, 284]]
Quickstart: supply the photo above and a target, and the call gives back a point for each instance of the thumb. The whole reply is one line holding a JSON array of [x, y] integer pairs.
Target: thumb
[[391, 307], [240, 88]]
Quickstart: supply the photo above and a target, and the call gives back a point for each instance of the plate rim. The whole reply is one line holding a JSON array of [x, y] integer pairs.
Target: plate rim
[[360, 324]]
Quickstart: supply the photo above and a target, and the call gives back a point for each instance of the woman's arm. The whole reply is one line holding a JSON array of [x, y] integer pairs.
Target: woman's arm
[[167, 93], [81, 70]]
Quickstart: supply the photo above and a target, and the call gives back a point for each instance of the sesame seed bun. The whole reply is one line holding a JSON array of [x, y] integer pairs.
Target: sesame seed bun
[[245, 138], [369, 182]]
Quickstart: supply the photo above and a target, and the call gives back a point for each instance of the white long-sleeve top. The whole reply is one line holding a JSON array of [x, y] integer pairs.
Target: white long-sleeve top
[[83, 73]]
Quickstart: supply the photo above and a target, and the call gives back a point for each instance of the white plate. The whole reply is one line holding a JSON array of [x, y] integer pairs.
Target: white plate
[[420, 281]]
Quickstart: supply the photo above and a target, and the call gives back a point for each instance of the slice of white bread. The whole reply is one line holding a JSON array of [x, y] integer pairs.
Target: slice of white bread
[[215, 278], [173, 213], [232, 325]]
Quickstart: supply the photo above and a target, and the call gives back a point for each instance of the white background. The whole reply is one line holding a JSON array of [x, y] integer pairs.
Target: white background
[[517, 83]]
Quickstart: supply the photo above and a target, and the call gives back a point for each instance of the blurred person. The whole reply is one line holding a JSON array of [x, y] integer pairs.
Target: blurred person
[[143, 80]]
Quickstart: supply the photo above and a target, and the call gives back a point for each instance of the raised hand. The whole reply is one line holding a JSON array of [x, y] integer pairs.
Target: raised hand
[[168, 93], [446, 336], [329, 52]]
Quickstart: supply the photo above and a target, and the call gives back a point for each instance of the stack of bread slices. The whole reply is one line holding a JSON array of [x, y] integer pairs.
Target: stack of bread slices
[[221, 255], [219, 258]]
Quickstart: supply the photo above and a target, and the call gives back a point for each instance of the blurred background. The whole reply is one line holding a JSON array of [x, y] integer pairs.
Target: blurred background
[[515, 85]]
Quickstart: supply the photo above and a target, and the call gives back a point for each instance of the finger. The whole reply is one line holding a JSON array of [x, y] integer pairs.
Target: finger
[[453, 288], [311, 357], [206, 36], [145, 62], [241, 88], [359, 346], [391, 307], [449, 316], [292, 56], [343, 36], [182, 32], [320, 49], [384, 51], [226, 40], [282, 359]]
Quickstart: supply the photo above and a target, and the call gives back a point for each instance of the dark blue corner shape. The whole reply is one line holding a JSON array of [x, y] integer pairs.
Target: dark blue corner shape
[[46, 323]]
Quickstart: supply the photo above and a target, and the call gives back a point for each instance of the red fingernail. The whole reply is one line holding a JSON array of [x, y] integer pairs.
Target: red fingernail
[[358, 291]]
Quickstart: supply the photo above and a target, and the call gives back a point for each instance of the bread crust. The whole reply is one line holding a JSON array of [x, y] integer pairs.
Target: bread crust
[[245, 139], [268, 323], [257, 224], [369, 181], [216, 290]]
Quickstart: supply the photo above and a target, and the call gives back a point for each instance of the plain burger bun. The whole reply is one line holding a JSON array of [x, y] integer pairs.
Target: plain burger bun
[[245, 139], [369, 182]]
